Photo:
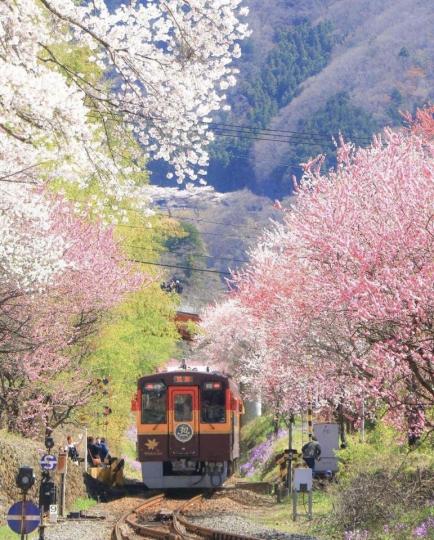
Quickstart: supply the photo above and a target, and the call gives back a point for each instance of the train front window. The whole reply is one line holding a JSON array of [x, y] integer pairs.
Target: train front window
[[213, 404], [183, 407], [154, 404]]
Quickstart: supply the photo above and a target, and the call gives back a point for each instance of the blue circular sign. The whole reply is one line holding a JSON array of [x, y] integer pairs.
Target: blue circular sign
[[48, 462], [23, 517]]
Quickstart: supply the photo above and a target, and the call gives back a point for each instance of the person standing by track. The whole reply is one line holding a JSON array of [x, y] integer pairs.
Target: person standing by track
[[311, 451]]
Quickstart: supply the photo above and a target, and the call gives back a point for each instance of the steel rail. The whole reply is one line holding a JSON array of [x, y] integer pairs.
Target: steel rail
[[130, 518], [179, 528]]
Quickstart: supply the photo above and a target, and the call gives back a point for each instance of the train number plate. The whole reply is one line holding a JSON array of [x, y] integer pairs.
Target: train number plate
[[183, 433]]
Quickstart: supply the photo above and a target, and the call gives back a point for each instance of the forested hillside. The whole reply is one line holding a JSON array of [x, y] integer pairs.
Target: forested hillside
[[312, 69]]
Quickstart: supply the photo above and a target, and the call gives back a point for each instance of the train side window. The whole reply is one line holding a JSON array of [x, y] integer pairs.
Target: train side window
[[154, 405], [213, 406], [183, 407]]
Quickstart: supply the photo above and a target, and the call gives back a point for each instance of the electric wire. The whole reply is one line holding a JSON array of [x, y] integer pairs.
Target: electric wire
[[312, 135], [201, 232], [266, 136], [180, 218], [200, 220], [284, 141], [190, 269], [173, 252], [254, 129]]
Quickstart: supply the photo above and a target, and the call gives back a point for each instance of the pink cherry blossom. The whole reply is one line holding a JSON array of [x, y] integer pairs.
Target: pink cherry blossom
[[45, 327], [337, 302]]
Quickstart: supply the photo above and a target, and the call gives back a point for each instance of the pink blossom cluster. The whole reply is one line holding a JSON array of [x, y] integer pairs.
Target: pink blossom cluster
[[337, 302], [45, 326]]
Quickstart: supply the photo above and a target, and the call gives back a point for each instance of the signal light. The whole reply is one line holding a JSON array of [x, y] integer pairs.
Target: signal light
[[154, 386], [213, 386], [49, 441], [25, 478]]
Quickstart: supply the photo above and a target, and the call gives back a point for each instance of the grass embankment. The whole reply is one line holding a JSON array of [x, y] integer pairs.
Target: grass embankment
[[383, 491]]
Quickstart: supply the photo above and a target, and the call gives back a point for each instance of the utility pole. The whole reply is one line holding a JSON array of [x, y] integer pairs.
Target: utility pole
[[85, 450], [309, 419], [289, 478]]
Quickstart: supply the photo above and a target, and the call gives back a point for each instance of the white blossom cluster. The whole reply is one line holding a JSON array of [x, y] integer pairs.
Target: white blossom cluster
[[166, 67], [29, 252]]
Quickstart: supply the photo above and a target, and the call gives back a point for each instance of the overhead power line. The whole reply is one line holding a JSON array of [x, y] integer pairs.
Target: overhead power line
[[312, 135], [201, 232], [190, 269], [265, 139], [200, 220], [180, 218], [164, 251]]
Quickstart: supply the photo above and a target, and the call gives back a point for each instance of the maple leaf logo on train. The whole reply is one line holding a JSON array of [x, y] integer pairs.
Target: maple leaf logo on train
[[151, 444]]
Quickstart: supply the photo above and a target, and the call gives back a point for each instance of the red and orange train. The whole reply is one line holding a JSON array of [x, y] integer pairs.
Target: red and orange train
[[188, 424]]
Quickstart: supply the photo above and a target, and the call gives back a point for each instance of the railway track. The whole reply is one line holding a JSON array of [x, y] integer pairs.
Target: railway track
[[167, 523]]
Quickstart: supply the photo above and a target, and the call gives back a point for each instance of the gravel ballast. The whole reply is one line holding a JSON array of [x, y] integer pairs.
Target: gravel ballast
[[229, 512], [242, 525], [82, 529]]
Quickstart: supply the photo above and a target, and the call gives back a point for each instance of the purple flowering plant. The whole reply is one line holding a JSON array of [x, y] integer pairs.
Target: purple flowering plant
[[425, 529], [260, 454]]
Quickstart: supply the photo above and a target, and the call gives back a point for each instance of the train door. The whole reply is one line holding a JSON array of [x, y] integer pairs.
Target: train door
[[183, 422]]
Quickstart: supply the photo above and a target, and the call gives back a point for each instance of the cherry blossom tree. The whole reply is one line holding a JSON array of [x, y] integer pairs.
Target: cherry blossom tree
[[87, 95], [45, 328], [87, 92], [342, 290], [164, 69]]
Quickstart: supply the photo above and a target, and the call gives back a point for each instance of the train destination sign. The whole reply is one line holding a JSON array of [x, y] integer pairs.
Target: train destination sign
[[23, 517], [183, 433]]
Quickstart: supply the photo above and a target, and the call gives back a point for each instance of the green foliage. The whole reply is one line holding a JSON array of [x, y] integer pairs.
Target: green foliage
[[189, 238], [379, 449], [83, 504], [189, 248], [300, 53], [256, 431], [138, 337], [382, 486], [338, 116], [7, 534]]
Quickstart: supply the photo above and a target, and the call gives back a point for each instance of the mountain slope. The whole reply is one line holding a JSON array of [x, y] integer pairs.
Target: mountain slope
[[381, 59]]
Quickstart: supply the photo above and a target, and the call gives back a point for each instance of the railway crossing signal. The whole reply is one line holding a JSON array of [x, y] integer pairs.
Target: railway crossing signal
[[283, 460], [48, 462], [23, 517]]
